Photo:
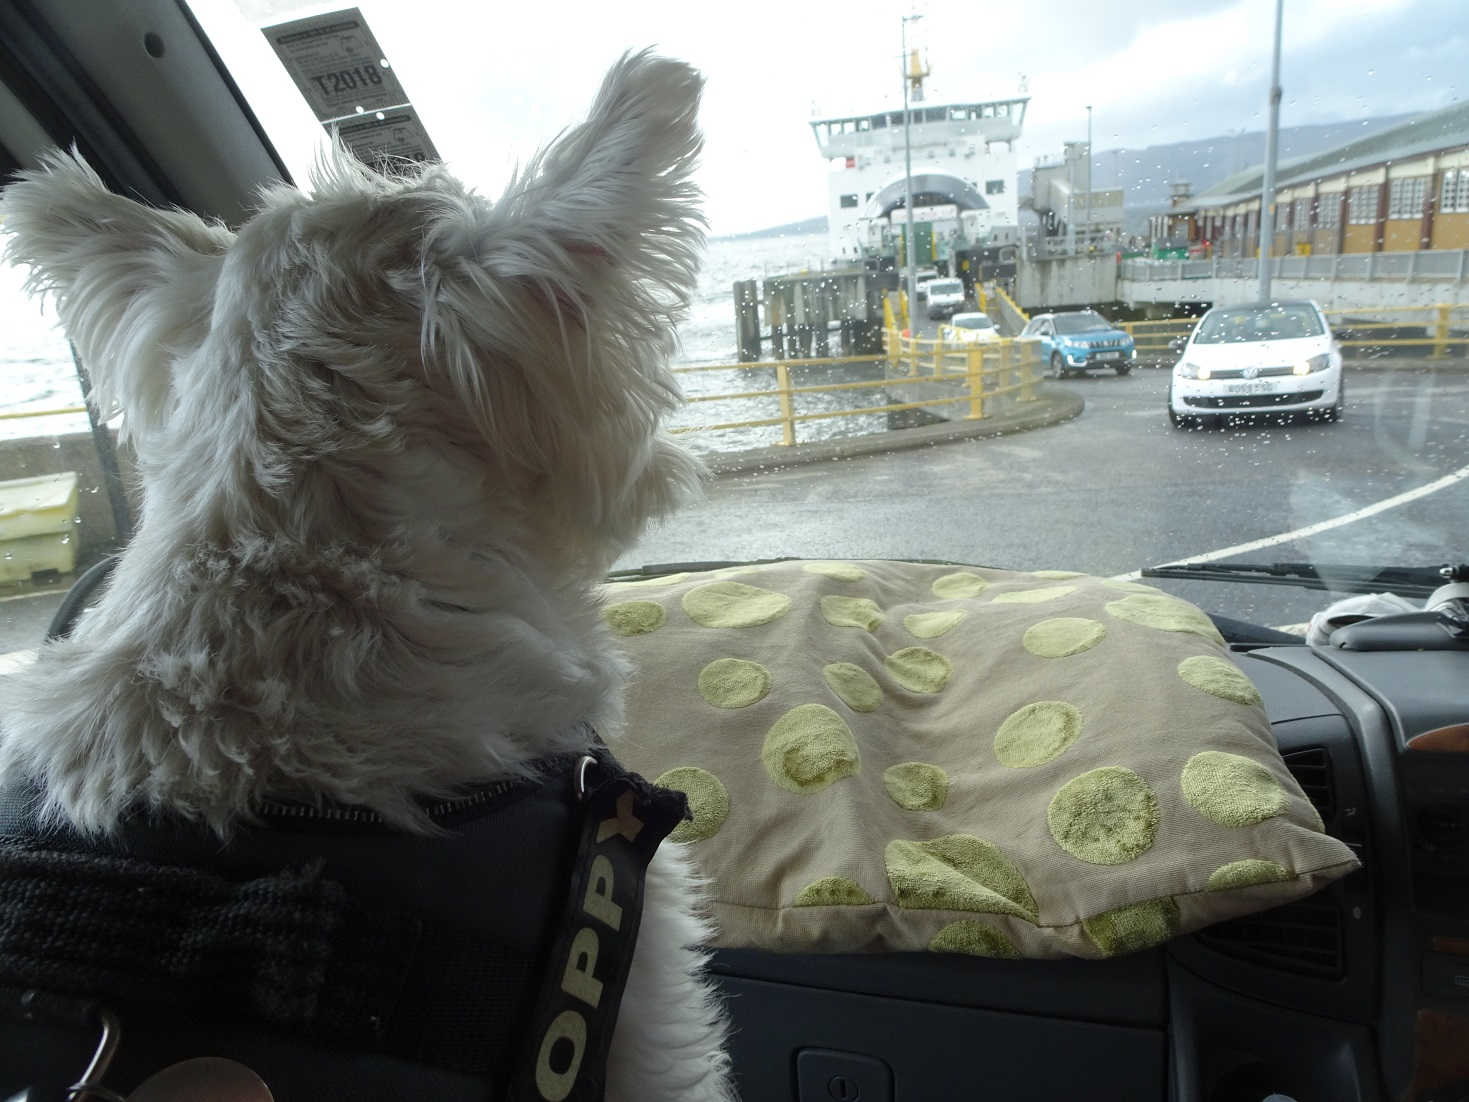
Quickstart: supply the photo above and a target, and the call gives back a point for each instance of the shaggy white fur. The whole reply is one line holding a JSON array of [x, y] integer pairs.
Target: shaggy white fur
[[390, 435]]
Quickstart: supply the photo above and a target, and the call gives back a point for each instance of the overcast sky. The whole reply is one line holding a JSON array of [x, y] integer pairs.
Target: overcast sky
[[493, 81]]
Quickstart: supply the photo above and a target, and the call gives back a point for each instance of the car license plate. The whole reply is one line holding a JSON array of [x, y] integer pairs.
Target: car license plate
[[1249, 388], [1109, 355]]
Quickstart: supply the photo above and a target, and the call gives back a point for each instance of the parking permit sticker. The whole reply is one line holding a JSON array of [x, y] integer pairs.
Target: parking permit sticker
[[336, 62], [380, 138], [349, 82]]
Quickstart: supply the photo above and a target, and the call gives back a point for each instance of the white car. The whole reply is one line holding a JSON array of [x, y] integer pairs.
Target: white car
[[945, 297], [974, 328], [921, 279], [1275, 359]]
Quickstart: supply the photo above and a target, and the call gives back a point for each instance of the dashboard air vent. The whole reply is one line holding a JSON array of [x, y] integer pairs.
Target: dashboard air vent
[[1312, 770], [1303, 938]]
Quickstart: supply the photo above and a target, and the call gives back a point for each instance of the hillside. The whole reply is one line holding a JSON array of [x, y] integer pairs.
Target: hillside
[[1145, 173], [806, 225]]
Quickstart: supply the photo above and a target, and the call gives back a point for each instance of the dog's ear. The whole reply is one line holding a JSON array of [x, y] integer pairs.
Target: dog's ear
[[133, 285], [551, 312], [614, 195]]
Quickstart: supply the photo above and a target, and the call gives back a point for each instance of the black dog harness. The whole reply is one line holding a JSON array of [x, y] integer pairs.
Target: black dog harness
[[330, 954]]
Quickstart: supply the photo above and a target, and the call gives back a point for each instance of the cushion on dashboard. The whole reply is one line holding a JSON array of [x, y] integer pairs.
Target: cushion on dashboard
[[886, 756]]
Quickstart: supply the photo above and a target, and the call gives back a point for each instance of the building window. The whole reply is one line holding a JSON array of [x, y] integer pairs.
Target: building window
[[1328, 211], [1405, 197], [848, 201], [994, 187], [1454, 195], [1362, 205], [1303, 213]]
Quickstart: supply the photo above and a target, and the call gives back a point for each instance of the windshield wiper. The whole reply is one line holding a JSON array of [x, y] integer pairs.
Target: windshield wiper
[[663, 569], [1405, 581]]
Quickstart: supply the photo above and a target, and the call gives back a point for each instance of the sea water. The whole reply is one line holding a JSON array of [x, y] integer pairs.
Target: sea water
[[37, 373]]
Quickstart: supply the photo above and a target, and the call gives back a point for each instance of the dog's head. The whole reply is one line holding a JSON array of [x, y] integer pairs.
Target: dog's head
[[348, 352]]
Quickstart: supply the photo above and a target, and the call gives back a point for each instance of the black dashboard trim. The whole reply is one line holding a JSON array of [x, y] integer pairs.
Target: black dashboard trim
[[1399, 950]]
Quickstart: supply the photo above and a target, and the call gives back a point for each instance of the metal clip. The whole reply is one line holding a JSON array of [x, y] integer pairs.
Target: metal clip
[[89, 1087], [579, 777]]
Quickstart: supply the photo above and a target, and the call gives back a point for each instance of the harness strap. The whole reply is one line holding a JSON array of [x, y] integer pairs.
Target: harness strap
[[564, 1054]]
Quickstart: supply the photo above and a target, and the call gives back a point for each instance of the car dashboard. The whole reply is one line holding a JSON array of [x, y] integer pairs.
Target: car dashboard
[[1360, 992]]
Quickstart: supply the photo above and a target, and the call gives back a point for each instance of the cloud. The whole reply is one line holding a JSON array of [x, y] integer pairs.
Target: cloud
[[493, 82]]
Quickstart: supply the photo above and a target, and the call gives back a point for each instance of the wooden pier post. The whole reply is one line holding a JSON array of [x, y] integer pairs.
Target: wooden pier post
[[747, 319], [775, 313], [802, 318], [822, 316]]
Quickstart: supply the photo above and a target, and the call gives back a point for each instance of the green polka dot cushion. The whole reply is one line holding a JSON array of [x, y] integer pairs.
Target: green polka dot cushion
[[886, 756]]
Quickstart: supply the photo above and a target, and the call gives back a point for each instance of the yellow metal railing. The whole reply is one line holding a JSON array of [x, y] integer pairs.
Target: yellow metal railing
[[1445, 326], [988, 369], [1156, 337], [969, 373], [1438, 323], [17, 414]]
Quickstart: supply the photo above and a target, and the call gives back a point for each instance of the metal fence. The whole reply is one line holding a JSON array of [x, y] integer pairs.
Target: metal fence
[[984, 370], [955, 374], [1415, 332], [1436, 264]]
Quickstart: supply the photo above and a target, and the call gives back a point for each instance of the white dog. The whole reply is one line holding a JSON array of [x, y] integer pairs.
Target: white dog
[[391, 436]]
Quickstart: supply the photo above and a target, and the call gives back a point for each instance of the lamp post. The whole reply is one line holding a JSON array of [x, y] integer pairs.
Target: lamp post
[[1267, 185], [908, 171]]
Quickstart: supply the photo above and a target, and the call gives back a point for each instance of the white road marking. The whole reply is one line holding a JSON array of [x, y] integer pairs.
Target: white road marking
[[49, 590], [1321, 526]]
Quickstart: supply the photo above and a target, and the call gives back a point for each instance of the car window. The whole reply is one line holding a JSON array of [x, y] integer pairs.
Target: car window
[[53, 504], [1371, 208], [1271, 323], [973, 321], [1080, 323]]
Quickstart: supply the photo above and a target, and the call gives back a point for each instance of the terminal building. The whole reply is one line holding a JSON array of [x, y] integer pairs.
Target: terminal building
[[1402, 189]]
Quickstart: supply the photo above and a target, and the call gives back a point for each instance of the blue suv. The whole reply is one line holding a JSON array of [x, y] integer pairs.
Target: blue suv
[[1080, 341]]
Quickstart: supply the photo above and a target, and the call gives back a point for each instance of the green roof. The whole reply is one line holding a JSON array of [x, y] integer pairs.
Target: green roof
[[1447, 128]]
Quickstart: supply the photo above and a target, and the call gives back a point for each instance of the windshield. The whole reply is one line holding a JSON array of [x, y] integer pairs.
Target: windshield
[[836, 422], [1273, 323], [973, 321], [1085, 322]]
